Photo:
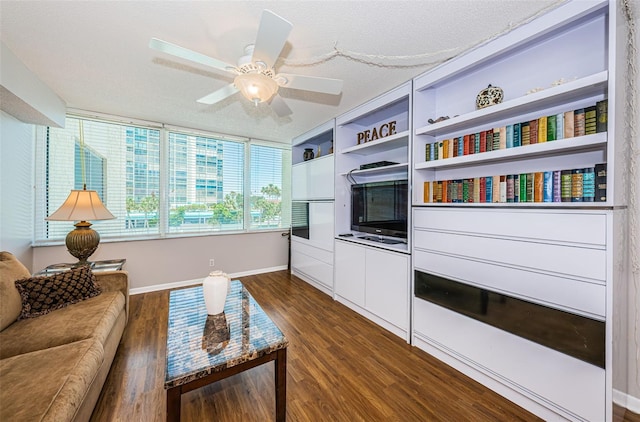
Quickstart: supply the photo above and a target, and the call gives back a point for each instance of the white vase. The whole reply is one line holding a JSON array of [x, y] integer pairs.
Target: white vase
[[215, 288]]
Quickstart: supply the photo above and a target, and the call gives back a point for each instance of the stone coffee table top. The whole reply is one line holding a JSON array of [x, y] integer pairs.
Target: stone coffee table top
[[199, 344]]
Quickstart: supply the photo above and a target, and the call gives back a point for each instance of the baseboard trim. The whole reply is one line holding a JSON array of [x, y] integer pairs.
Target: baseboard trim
[[196, 281], [630, 403]]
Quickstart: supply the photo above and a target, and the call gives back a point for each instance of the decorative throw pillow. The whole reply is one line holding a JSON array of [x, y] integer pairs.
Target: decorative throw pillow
[[41, 295], [11, 269]]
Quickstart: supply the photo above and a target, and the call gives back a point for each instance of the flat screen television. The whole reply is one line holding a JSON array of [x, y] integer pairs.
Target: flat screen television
[[380, 208]]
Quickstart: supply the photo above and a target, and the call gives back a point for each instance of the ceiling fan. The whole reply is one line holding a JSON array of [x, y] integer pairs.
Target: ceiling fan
[[255, 76]]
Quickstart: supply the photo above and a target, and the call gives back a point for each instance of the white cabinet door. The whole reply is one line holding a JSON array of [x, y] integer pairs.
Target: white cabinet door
[[387, 286], [350, 272], [320, 178], [313, 179], [299, 181], [321, 224]]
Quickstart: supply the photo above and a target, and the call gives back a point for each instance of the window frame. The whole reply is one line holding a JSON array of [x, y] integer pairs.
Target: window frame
[[40, 232]]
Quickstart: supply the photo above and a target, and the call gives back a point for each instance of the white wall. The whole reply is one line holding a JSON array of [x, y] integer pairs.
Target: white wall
[[16, 186], [633, 320], [157, 262], [25, 96]]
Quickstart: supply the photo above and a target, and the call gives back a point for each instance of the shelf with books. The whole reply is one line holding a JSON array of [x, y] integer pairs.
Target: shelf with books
[[518, 205], [592, 85], [573, 134], [569, 145], [584, 186], [557, 74]]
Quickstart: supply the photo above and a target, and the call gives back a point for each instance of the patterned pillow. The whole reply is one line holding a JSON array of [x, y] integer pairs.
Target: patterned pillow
[[41, 295]]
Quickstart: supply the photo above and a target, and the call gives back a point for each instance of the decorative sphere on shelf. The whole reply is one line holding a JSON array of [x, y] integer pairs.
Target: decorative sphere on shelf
[[489, 96]]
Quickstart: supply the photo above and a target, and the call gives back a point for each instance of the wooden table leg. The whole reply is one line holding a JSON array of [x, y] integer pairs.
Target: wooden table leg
[[281, 385], [173, 404]]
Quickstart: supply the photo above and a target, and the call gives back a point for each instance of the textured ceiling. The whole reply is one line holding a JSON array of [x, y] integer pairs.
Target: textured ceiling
[[95, 55]]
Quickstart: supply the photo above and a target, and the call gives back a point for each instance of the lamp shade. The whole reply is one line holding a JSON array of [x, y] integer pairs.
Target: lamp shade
[[256, 87], [82, 205]]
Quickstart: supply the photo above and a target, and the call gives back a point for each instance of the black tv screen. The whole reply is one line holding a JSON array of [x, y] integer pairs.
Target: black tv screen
[[380, 208]]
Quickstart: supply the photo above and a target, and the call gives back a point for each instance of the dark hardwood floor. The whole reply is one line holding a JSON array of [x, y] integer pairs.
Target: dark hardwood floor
[[341, 367]]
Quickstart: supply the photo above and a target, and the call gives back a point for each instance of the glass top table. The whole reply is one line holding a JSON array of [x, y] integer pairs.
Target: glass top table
[[96, 266], [202, 348]]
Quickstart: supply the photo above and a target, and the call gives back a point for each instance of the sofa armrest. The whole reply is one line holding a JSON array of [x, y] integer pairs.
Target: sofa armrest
[[110, 281]]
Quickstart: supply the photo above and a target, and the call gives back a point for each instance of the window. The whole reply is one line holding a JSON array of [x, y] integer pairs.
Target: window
[[269, 174], [89, 169], [204, 179], [121, 163]]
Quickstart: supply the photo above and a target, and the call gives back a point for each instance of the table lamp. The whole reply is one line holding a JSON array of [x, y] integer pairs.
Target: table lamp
[[82, 205]]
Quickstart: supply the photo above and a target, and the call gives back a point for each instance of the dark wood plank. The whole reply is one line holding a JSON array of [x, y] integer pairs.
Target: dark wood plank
[[340, 367], [281, 385], [173, 404]]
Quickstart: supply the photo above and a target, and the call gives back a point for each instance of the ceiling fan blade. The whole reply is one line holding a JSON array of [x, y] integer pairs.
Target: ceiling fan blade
[[219, 95], [312, 83], [272, 35], [185, 53], [279, 106]]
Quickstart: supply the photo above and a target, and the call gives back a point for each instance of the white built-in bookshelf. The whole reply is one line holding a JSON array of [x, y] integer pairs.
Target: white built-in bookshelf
[[516, 294], [531, 261], [364, 267], [312, 194]]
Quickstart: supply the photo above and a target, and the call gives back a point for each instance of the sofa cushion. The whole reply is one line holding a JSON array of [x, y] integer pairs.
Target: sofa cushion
[[50, 384], [10, 303], [41, 295], [92, 318]]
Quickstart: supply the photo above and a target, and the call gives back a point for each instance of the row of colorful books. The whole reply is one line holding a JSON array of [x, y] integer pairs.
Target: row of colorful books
[[580, 122], [575, 185]]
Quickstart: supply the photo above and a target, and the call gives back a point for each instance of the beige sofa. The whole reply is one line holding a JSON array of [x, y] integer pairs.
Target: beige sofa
[[53, 366]]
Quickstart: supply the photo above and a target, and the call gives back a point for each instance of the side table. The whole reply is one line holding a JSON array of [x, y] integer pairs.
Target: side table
[[96, 266]]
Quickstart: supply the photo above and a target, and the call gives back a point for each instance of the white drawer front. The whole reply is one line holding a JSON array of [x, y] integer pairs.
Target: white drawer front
[[568, 261], [563, 293], [314, 268], [312, 251], [556, 226], [564, 381]]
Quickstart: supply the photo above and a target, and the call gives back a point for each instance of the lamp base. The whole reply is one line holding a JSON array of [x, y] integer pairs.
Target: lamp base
[[82, 242]]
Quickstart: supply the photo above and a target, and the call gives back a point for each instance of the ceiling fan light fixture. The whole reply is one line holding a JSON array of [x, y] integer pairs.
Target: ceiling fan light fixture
[[256, 87]]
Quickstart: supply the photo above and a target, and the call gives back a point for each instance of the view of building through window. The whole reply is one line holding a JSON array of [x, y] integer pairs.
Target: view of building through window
[[201, 186], [206, 180]]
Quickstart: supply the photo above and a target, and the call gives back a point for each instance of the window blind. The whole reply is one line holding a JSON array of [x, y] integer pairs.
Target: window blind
[[208, 183], [270, 187], [122, 163]]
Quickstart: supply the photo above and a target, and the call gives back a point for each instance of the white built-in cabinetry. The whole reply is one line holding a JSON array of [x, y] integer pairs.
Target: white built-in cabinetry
[[549, 256], [371, 277], [374, 282], [554, 260], [312, 195], [309, 179]]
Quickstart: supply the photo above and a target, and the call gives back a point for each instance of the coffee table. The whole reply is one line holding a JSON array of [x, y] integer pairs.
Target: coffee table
[[203, 349]]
